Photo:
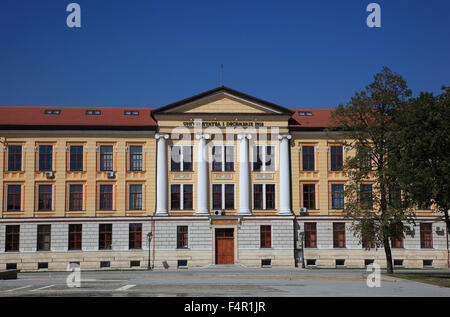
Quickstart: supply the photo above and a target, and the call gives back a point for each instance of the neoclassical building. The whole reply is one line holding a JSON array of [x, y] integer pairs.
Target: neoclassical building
[[218, 178]]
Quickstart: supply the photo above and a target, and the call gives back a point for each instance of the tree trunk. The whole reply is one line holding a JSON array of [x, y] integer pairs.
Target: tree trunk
[[447, 220], [387, 251]]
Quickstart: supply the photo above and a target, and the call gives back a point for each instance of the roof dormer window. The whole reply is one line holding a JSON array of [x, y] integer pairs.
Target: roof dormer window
[[93, 112], [50, 111], [131, 113]]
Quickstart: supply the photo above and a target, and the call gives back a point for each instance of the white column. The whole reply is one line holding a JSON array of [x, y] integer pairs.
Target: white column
[[161, 175], [285, 182], [202, 175], [244, 175]]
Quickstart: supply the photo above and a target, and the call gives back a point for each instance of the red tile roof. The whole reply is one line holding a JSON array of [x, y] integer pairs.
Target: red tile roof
[[320, 119], [70, 117], [75, 117]]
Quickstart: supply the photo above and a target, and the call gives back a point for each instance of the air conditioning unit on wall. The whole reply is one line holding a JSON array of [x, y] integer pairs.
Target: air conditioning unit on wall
[[303, 210], [110, 174], [49, 174], [218, 212]]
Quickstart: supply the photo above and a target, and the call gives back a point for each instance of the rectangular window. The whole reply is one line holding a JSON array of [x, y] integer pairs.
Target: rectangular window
[[223, 196], [264, 196], [75, 236], [14, 197], [308, 157], [106, 158], [366, 239], [229, 196], [187, 197], [223, 158], [217, 196], [266, 236], [43, 237], [175, 197], [338, 235], [45, 197], [398, 242], [337, 157], [258, 200], [181, 197], [12, 238], [181, 159], [310, 235], [136, 158], [14, 158], [182, 237], [337, 196], [365, 196], [309, 196], [135, 236], [135, 197], [105, 237], [263, 158], [106, 197], [76, 158], [45, 158], [75, 197], [426, 236]]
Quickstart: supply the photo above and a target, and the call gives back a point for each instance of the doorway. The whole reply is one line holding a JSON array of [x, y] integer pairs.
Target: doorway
[[224, 246]]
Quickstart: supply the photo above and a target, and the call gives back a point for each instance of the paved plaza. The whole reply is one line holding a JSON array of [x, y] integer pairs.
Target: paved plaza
[[220, 281]]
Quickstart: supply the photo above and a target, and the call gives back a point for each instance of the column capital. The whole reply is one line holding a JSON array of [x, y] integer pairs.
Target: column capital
[[284, 136], [162, 135], [200, 136], [244, 136]]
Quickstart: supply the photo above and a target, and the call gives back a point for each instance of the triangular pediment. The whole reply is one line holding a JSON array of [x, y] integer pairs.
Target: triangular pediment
[[223, 100]]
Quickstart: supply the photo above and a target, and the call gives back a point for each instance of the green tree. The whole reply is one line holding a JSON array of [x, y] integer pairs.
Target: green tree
[[364, 125], [422, 153]]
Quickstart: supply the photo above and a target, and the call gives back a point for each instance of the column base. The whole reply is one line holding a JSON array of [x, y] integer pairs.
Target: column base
[[161, 213], [244, 213], [286, 212]]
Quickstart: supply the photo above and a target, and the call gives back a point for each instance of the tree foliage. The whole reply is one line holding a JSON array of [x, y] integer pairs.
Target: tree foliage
[[365, 126]]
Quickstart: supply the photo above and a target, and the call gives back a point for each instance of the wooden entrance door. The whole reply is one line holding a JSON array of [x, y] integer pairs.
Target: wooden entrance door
[[225, 246]]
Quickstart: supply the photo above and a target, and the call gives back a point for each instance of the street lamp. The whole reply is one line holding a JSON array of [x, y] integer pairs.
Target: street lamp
[[149, 237]]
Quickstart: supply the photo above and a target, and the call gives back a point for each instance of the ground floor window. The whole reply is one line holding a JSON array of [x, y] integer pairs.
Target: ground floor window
[[338, 235], [75, 235], [182, 237], [310, 235], [135, 236], [43, 237], [266, 236], [12, 238], [105, 237]]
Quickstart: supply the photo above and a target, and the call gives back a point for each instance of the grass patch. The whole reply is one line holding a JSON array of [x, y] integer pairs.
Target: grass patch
[[437, 279]]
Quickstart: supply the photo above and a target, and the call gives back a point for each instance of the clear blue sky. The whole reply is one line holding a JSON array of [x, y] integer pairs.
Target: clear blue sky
[[151, 53]]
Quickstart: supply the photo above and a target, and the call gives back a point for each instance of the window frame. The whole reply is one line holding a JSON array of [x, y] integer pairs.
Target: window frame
[[106, 160], [101, 195], [135, 160], [426, 235], [8, 195], [223, 158], [183, 164], [265, 236], [134, 196], [46, 165], [75, 237], [15, 160], [340, 194], [309, 159], [310, 230], [314, 185], [336, 158], [41, 237], [223, 196], [79, 158], [12, 239], [183, 237], [181, 194], [135, 236], [79, 199], [339, 235], [105, 238], [45, 199], [264, 196], [257, 158]]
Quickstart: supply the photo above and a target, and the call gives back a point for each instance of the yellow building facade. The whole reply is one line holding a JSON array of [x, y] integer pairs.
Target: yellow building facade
[[218, 178]]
